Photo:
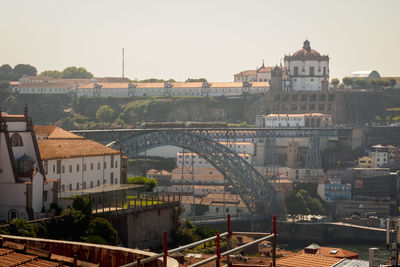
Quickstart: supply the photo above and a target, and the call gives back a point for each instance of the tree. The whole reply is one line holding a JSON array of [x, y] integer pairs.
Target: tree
[[4, 90], [23, 69], [51, 73], [190, 80], [148, 182], [384, 82], [374, 83], [102, 227], [360, 82], [104, 114], [5, 72], [335, 82], [21, 227], [83, 204], [392, 82], [341, 85], [76, 73], [348, 81]]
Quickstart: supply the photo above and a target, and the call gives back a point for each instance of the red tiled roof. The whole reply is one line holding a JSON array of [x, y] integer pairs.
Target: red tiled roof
[[72, 148], [333, 252], [54, 132]]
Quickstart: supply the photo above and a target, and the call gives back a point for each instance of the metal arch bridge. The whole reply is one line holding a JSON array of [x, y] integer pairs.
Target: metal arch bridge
[[109, 135], [254, 189]]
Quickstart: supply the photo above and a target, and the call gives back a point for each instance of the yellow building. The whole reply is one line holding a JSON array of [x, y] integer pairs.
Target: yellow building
[[366, 162]]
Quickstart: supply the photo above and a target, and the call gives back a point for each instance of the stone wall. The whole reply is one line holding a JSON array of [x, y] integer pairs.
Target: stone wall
[[145, 228]]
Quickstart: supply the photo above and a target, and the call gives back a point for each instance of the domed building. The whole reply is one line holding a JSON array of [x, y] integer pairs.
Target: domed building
[[306, 70]]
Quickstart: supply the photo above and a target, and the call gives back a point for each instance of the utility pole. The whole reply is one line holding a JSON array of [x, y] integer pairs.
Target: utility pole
[[123, 62]]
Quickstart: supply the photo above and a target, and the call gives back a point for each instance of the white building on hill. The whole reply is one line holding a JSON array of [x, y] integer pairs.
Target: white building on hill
[[294, 120], [306, 70]]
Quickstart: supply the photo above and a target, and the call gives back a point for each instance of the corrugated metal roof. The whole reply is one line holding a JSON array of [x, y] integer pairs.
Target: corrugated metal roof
[[352, 263]]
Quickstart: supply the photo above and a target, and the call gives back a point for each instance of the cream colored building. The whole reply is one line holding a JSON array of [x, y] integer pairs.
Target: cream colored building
[[77, 163], [366, 162]]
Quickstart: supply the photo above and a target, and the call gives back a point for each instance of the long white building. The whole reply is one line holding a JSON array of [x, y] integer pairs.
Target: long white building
[[122, 87], [228, 89], [77, 163]]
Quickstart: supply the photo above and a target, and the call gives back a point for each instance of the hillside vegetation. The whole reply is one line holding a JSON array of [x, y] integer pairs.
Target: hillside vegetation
[[73, 113]]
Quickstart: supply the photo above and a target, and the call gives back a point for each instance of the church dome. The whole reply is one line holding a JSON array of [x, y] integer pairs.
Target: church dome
[[306, 52]]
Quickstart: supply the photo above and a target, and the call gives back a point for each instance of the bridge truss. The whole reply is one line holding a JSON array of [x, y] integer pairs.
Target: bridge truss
[[254, 189]]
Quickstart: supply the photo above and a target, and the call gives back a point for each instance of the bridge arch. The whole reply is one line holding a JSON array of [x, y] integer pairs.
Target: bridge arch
[[254, 189]]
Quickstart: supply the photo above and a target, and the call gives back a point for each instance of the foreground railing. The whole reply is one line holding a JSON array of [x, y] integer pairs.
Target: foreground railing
[[218, 255]]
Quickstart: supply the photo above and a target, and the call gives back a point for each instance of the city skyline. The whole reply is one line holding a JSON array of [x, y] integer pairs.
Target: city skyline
[[183, 40]]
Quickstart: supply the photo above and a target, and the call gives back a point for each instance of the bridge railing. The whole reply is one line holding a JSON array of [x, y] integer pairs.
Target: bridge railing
[[138, 202], [218, 254]]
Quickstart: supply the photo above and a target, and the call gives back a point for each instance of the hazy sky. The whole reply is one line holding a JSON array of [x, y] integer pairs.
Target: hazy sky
[[205, 38]]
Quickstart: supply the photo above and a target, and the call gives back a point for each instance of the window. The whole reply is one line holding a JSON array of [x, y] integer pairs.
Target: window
[[77, 186], [58, 166], [16, 140], [54, 168], [227, 209], [296, 71], [91, 166], [98, 182], [98, 165], [112, 162], [45, 196], [46, 166], [63, 169], [91, 184], [84, 185], [116, 180], [70, 187], [216, 210], [77, 167], [116, 164], [312, 71], [70, 168], [105, 165]]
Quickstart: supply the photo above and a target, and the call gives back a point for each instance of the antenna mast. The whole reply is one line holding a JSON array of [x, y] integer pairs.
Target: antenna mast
[[123, 63]]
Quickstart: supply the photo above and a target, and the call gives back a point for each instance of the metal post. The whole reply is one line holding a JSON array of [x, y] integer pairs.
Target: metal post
[[218, 252], [228, 242], [165, 248], [274, 243]]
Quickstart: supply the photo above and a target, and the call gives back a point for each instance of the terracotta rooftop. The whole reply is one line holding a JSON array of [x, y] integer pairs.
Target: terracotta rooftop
[[306, 260], [72, 148], [187, 85], [6, 115], [56, 84], [106, 85], [158, 172], [331, 252], [246, 73], [295, 115], [54, 132]]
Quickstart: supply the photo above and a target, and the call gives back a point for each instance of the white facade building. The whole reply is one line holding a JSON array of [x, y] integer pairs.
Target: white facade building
[[22, 175], [380, 156], [77, 163], [297, 120], [228, 89], [306, 70], [262, 74]]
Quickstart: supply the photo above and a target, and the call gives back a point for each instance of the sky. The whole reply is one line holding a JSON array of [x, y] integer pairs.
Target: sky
[[206, 38]]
